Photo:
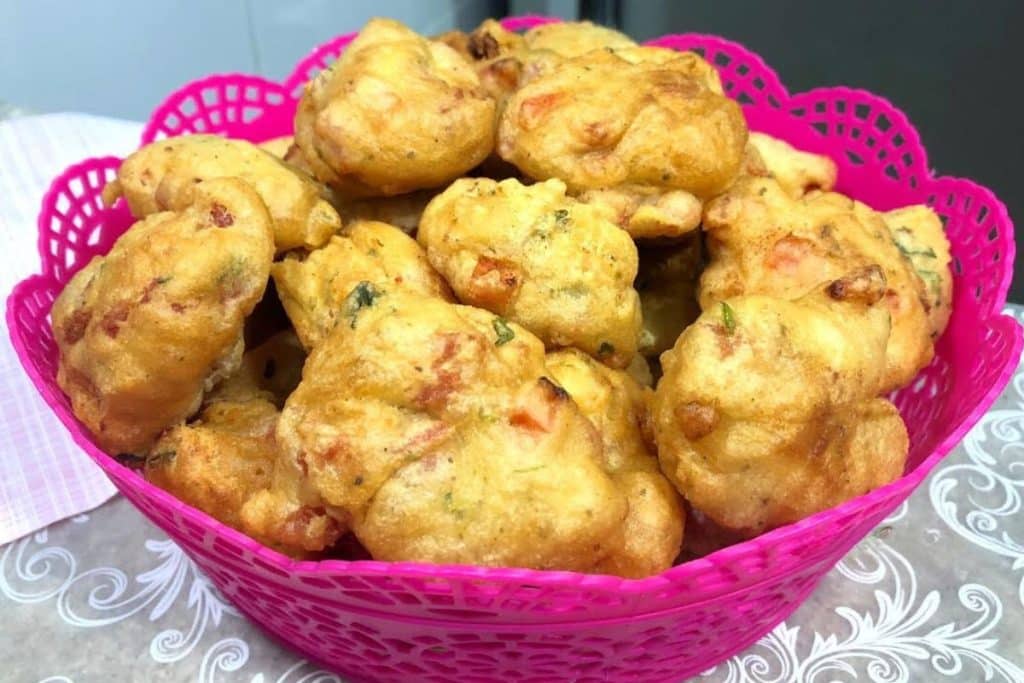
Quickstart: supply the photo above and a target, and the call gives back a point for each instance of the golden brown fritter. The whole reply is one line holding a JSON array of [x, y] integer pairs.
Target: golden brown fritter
[[395, 113], [531, 254], [647, 213], [316, 287], [432, 428], [761, 241], [162, 176], [144, 330], [217, 462], [667, 283], [797, 172], [767, 413], [601, 120], [920, 237], [575, 38], [617, 406]]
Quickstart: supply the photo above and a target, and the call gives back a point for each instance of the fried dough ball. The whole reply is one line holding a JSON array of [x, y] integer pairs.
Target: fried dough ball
[[402, 211], [762, 241], [217, 462], [163, 175], [601, 120], [395, 113], [647, 213], [556, 266], [667, 284], [649, 539], [767, 413], [319, 289], [920, 237], [144, 330], [575, 38], [432, 429], [797, 172]]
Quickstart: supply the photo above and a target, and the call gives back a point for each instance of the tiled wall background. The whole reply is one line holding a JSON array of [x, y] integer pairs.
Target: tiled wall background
[[120, 57]]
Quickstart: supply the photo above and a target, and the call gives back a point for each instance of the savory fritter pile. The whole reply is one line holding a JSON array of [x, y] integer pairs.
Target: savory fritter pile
[[395, 113], [535, 300], [752, 451], [601, 120], [162, 176], [433, 430], [556, 266], [144, 330]]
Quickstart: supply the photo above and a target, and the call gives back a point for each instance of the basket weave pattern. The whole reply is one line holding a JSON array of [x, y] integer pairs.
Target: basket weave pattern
[[398, 621]]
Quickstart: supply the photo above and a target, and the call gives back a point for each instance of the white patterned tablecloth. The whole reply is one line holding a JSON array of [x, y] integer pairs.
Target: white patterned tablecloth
[[936, 593]]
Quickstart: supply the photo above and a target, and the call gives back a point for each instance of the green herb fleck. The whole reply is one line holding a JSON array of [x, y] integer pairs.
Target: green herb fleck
[[163, 279], [728, 318], [528, 469], [504, 332], [362, 296], [577, 290], [562, 217], [931, 279], [907, 247], [605, 350]]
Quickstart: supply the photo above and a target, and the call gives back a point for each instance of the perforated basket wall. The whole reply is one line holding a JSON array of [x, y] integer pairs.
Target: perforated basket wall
[[388, 621]]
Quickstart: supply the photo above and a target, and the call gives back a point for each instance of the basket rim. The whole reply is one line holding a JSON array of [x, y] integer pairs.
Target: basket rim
[[896, 491]]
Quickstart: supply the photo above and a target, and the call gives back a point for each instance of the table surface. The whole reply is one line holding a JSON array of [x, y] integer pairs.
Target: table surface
[[936, 592]]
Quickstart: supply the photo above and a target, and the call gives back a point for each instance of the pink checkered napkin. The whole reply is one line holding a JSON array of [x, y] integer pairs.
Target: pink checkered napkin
[[44, 476]]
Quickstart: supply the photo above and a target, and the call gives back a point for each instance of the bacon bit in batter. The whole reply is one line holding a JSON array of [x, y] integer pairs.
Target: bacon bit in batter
[[74, 327], [540, 407], [493, 282], [697, 420], [111, 322], [532, 110], [177, 308], [428, 436], [787, 254], [448, 380], [220, 216], [726, 339]]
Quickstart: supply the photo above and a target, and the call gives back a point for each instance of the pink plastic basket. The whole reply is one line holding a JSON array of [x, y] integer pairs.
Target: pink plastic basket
[[402, 621]]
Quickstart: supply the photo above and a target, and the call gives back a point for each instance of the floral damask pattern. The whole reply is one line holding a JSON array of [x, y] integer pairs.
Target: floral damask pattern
[[922, 598]]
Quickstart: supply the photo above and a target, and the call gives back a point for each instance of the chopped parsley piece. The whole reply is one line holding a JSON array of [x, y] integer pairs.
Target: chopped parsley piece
[[362, 296], [562, 217], [908, 250], [504, 332], [163, 279], [728, 318], [528, 469]]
